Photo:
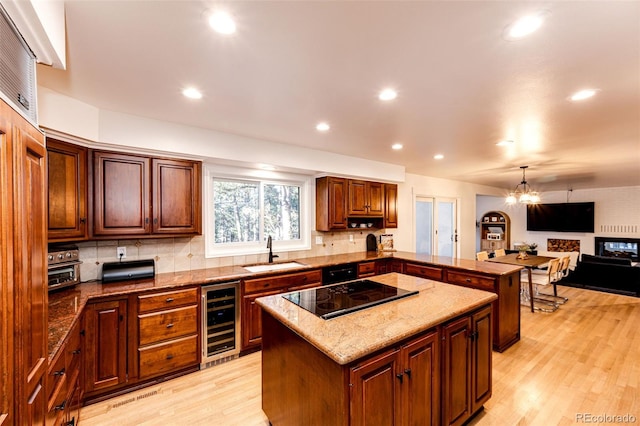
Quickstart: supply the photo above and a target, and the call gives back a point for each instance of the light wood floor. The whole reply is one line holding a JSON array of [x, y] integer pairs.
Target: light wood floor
[[583, 359]]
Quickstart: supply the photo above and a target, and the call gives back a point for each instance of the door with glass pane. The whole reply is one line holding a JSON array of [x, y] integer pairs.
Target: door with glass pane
[[435, 225]]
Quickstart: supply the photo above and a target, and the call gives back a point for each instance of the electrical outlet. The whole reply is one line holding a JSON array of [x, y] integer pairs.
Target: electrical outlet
[[121, 252], [319, 240], [351, 237]]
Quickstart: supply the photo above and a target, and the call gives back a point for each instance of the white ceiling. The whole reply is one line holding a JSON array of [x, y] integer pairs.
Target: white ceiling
[[462, 87]]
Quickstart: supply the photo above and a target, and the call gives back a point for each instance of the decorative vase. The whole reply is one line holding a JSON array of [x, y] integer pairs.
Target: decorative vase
[[523, 255]]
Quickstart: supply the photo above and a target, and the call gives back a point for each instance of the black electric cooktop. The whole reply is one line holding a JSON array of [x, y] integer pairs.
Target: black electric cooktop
[[338, 299]]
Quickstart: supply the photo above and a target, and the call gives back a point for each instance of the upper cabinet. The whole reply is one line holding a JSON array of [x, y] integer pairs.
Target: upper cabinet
[[343, 203], [365, 198], [139, 196], [67, 207]]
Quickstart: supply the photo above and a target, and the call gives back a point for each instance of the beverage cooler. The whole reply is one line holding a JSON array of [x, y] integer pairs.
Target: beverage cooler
[[220, 322]]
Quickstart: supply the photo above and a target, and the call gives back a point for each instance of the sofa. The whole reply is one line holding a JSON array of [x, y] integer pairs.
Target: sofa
[[615, 274]]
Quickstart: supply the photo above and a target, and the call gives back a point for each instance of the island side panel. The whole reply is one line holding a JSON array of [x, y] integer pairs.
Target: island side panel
[[300, 385]]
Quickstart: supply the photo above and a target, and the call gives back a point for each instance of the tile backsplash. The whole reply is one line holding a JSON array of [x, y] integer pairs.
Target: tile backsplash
[[184, 254]]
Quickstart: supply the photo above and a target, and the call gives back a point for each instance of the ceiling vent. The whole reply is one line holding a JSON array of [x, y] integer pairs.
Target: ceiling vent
[[17, 69]]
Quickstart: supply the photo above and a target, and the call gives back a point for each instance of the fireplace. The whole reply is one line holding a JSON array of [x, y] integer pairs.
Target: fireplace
[[617, 247]]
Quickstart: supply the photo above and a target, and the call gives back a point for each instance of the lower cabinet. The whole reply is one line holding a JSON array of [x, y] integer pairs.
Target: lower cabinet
[[441, 376], [168, 332], [466, 369], [106, 345], [251, 313], [398, 387], [64, 384]]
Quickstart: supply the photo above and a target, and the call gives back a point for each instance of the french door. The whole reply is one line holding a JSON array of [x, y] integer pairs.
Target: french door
[[436, 226]]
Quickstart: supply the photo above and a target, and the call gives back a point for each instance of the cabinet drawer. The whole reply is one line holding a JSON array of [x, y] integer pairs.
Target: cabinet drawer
[[282, 282], [57, 382], [167, 325], [166, 357], [166, 300], [469, 280], [366, 269], [422, 271]]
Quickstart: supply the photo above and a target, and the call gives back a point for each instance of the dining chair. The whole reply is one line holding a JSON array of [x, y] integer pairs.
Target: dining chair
[[482, 255], [500, 252], [548, 278], [563, 270]]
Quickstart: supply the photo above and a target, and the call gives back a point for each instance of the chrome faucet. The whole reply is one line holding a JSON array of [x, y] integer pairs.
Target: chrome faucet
[[269, 244]]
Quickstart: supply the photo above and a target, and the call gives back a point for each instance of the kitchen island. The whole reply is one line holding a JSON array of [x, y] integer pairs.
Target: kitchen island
[[388, 364]]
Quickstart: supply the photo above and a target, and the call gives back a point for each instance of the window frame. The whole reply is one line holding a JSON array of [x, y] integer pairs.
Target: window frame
[[213, 249]]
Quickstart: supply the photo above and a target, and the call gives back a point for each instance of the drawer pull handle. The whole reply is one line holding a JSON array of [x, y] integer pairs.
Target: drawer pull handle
[[169, 356], [61, 406], [169, 325], [468, 280], [169, 299], [76, 352], [59, 372]]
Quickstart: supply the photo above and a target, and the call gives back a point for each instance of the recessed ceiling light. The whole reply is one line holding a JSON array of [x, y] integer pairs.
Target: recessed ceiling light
[[323, 127], [192, 93], [583, 94], [506, 142], [438, 157], [387, 95], [222, 23], [525, 26], [396, 146]]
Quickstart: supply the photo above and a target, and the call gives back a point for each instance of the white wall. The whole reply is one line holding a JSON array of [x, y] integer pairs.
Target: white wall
[[617, 214]]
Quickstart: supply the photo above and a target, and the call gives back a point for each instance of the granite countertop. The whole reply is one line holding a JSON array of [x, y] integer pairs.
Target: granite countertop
[[349, 337], [66, 304]]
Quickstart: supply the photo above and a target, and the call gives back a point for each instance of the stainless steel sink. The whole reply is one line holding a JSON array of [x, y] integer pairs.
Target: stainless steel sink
[[264, 267]]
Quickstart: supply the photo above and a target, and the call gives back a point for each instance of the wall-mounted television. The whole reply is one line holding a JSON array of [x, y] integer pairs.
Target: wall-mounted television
[[561, 217]]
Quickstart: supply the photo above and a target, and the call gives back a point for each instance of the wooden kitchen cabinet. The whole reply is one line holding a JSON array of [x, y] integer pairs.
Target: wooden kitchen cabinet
[[251, 313], [345, 203], [400, 386], [140, 196], [67, 191], [466, 371], [423, 271], [177, 208], [106, 346], [367, 269], [23, 271], [331, 203], [168, 330], [390, 205], [64, 385], [365, 198]]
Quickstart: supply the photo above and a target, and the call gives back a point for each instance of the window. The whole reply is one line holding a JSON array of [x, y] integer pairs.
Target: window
[[243, 210]]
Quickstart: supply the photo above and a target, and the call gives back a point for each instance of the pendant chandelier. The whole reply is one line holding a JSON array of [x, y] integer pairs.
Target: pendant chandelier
[[523, 193]]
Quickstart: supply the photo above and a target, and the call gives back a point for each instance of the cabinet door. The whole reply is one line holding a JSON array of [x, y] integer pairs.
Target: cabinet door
[[456, 374], [357, 198], [30, 273], [251, 324], [331, 203], [421, 370], [67, 189], [375, 199], [106, 344], [376, 389], [121, 194], [480, 358], [177, 205], [390, 205]]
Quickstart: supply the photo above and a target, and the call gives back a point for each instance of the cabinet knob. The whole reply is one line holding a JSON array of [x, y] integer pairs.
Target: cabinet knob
[[61, 406], [59, 373], [169, 356], [169, 299], [170, 325]]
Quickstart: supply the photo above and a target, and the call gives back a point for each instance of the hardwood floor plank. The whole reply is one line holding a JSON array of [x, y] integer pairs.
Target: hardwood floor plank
[[582, 359]]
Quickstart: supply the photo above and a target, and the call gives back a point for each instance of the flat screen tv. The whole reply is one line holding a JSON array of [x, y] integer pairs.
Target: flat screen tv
[[561, 217]]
